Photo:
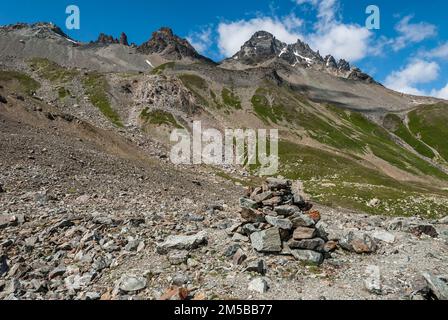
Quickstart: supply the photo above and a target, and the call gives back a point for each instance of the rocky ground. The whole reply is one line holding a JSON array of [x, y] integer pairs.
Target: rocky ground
[[89, 225]]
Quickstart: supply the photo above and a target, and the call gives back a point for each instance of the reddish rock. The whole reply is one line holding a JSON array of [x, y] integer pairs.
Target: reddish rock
[[106, 39], [358, 242], [315, 215]]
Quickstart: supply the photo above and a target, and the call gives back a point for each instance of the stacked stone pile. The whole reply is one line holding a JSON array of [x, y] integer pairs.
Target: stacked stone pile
[[278, 220]]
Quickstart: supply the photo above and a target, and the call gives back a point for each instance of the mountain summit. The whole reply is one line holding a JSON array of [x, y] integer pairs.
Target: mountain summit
[[39, 30], [263, 48], [171, 47]]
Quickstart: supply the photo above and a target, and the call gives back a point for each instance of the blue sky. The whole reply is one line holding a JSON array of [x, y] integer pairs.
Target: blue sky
[[409, 53]]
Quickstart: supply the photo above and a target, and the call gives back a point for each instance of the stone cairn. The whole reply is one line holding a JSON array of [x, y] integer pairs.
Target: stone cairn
[[278, 220]]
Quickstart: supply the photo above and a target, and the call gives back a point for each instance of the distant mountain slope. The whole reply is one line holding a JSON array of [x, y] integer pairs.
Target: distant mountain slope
[[348, 138], [106, 54]]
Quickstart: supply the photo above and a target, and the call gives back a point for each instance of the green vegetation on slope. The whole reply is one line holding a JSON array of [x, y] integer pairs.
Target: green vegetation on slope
[[429, 123], [63, 92], [265, 106], [191, 80], [163, 67], [218, 104], [195, 84], [52, 71], [379, 141], [338, 181], [159, 117], [96, 87], [347, 131], [26, 83], [344, 180], [230, 99], [396, 125]]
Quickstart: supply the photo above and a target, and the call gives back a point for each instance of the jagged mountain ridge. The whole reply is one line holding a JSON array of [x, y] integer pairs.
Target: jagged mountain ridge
[[263, 47], [108, 39]]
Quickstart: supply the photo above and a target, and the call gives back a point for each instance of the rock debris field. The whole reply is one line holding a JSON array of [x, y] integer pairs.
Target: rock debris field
[[276, 245]]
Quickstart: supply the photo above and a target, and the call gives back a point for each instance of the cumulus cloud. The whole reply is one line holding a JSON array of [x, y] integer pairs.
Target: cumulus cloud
[[439, 52], [442, 93], [330, 36], [348, 41], [232, 35], [416, 72], [326, 12], [410, 33], [201, 40]]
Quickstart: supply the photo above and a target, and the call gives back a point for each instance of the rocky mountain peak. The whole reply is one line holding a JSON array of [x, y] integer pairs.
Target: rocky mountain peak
[[343, 65], [165, 31], [108, 39], [301, 48], [263, 47], [40, 29], [124, 39], [170, 46], [262, 35], [330, 62]]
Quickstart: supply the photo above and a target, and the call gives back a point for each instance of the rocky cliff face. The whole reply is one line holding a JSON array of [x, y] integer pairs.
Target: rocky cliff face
[[124, 39], [108, 39]]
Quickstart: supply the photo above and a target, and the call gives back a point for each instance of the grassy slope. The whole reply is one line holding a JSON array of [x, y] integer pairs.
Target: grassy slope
[[396, 125], [337, 181], [25, 83], [344, 181], [96, 87], [95, 84], [227, 100], [430, 124], [52, 71], [159, 117], [332, 179]]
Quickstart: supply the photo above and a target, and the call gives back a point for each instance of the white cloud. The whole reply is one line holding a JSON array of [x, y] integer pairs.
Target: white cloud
[[416, 72], [439, 52], [442, 93], [201, 40], [233, 35], [326, 12], [347, 41], [412, 32]]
